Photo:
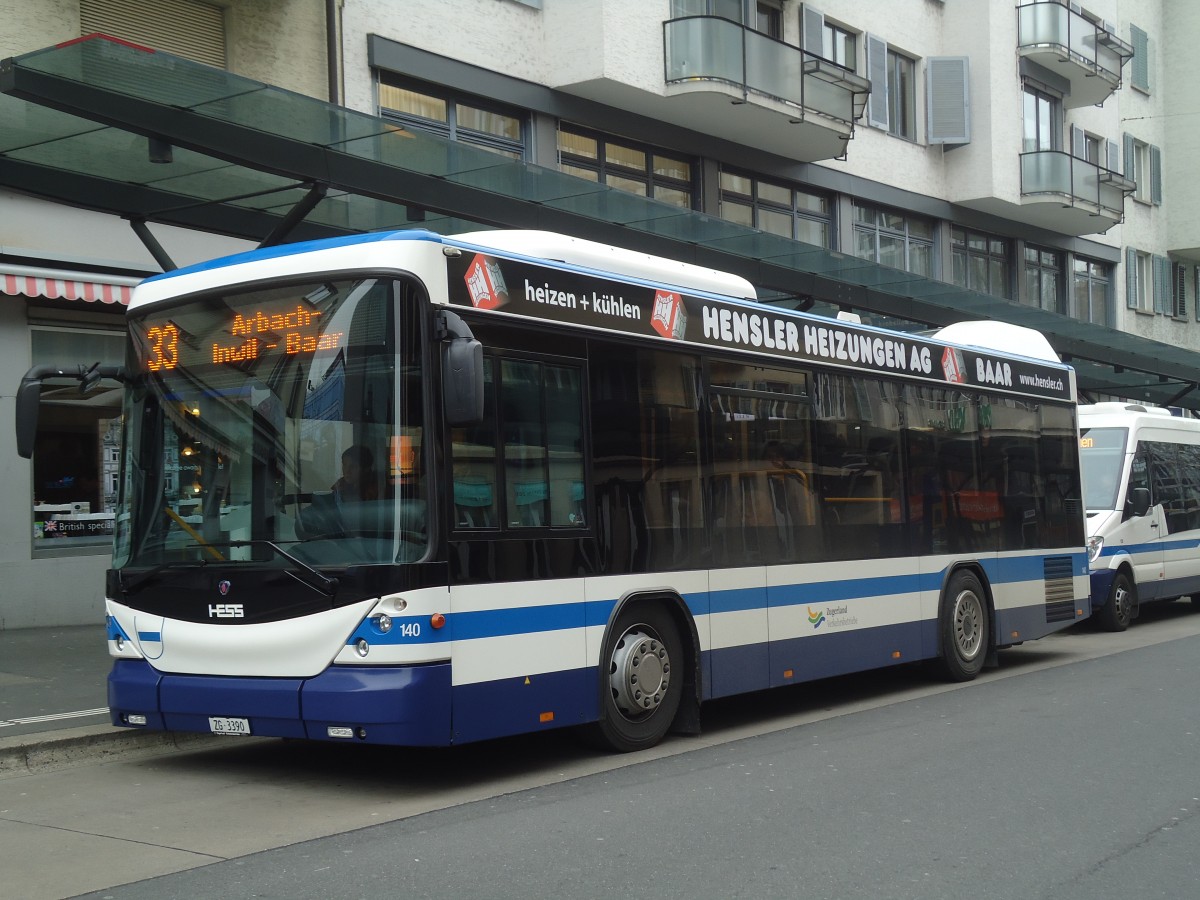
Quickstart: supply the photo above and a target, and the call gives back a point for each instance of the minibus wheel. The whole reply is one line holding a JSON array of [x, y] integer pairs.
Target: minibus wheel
[[1116, 614]]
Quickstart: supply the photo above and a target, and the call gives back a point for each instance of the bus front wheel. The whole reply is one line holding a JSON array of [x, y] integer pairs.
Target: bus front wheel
[[964, 629], [642, 674], [1117, 613]]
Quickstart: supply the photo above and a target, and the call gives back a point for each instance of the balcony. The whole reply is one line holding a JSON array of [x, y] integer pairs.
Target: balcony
[[1071, 195], [1080, 50], [751, 88]]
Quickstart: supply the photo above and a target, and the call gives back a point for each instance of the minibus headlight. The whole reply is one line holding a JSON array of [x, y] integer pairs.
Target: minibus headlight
[[1094, 545]]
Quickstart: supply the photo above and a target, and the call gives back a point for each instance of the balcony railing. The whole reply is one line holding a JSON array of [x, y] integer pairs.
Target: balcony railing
[[710, 48], [1060, 176], [1062, 38]]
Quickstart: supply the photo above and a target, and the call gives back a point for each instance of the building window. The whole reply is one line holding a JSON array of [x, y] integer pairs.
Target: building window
[[726, 9], [791, 212], [902, 94], [981, 262], [627, 166], [467, 120], [893, 239], [769, 19], [1042, 114], [839, 46], [1043, 279], [76, 459], [1141, 171], [1092, 289], [1141, 281]]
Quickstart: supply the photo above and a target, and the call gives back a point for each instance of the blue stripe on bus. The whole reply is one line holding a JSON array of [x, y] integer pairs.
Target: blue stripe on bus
[[1150, 547], [149, 635], [114, 629], [467, 626]]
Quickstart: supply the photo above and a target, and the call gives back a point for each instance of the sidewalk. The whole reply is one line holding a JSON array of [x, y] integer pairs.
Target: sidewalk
[[46, 673], [54, 702]]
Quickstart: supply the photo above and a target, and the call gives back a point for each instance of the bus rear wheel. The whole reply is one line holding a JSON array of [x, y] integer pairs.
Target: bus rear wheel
[[641, 674], [964, 630], [1117, 613]]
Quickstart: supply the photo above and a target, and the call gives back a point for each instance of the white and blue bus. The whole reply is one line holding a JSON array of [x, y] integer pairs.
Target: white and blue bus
[[1141, 478], [412, 489]]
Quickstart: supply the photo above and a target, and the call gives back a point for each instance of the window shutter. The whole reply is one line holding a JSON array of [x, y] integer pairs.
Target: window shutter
[[948, 100], [1140, 67], [1131, 299], [1155, 176], [1179, 290], [877, 100], [1112, 161], [814, 30], [187, 28], [1128, 141], [1162, 278]]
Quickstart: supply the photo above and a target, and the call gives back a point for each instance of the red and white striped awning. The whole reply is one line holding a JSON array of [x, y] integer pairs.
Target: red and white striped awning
[[26, 281]]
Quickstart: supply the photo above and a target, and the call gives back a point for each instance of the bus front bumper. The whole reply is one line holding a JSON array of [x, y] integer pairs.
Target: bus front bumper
[[401, 705]]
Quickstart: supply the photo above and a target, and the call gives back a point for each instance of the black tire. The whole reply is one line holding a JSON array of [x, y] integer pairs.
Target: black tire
[[641, 679], [964, 627], [1117, 613]]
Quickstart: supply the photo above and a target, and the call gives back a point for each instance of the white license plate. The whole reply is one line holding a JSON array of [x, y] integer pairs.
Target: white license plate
[[226, 725]]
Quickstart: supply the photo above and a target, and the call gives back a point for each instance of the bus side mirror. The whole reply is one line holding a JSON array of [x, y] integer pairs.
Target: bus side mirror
[[462, 371], [1138, 502], [29, 396], [462, 382]]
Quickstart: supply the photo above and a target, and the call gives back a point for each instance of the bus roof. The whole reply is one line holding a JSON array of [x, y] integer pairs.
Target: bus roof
[[567, 281]]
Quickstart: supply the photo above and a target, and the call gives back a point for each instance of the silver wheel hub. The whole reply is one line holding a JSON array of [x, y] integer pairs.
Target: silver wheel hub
[[640, 672], [968, 625]]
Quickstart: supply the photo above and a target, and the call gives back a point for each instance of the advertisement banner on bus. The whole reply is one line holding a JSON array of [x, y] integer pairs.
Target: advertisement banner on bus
[[514, 287]]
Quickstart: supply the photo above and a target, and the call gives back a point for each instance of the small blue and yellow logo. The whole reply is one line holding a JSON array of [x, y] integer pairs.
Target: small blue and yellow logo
[[815, 618]]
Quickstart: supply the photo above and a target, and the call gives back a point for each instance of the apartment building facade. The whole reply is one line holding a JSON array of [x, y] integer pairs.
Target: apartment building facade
[[1031, 152]]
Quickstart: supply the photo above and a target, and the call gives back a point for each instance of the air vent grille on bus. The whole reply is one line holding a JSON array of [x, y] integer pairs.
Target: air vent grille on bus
[[1060, 589]]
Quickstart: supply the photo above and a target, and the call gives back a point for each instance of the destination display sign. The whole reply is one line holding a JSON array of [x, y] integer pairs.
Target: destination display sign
[[238, 338], [522, 289]]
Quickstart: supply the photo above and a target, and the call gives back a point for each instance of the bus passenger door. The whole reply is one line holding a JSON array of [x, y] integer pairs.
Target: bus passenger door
[[1175, 477], [1143, 536]]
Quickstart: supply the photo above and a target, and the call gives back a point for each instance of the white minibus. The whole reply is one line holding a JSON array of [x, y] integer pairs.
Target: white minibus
[[1141, 486]]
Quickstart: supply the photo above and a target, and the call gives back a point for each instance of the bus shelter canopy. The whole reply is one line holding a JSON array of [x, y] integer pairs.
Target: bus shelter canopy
[[105, 125]]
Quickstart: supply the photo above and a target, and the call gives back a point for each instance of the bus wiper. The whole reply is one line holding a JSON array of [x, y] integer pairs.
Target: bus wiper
[[314, 578], [136, 581]]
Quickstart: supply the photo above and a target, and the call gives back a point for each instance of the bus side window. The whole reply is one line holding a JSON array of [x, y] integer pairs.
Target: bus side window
[[1189, 471], [1164, 478]]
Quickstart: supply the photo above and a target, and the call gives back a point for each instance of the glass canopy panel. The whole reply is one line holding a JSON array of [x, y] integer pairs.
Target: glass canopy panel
[[113, 154], [28, 125]]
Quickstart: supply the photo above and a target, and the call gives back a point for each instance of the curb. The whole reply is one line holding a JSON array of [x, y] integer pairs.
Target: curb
[[47, 751]]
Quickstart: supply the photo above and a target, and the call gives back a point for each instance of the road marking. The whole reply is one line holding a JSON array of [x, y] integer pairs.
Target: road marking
[[54, 717]]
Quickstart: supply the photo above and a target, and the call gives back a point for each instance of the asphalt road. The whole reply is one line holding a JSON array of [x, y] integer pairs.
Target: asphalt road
[[1069, 773]]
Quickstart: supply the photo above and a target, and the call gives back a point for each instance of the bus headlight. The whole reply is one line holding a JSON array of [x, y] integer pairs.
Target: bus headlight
[[1094, 545]]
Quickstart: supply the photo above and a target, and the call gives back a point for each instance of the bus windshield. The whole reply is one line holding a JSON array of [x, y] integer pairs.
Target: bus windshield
[[1102, 453], [266, 424]]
